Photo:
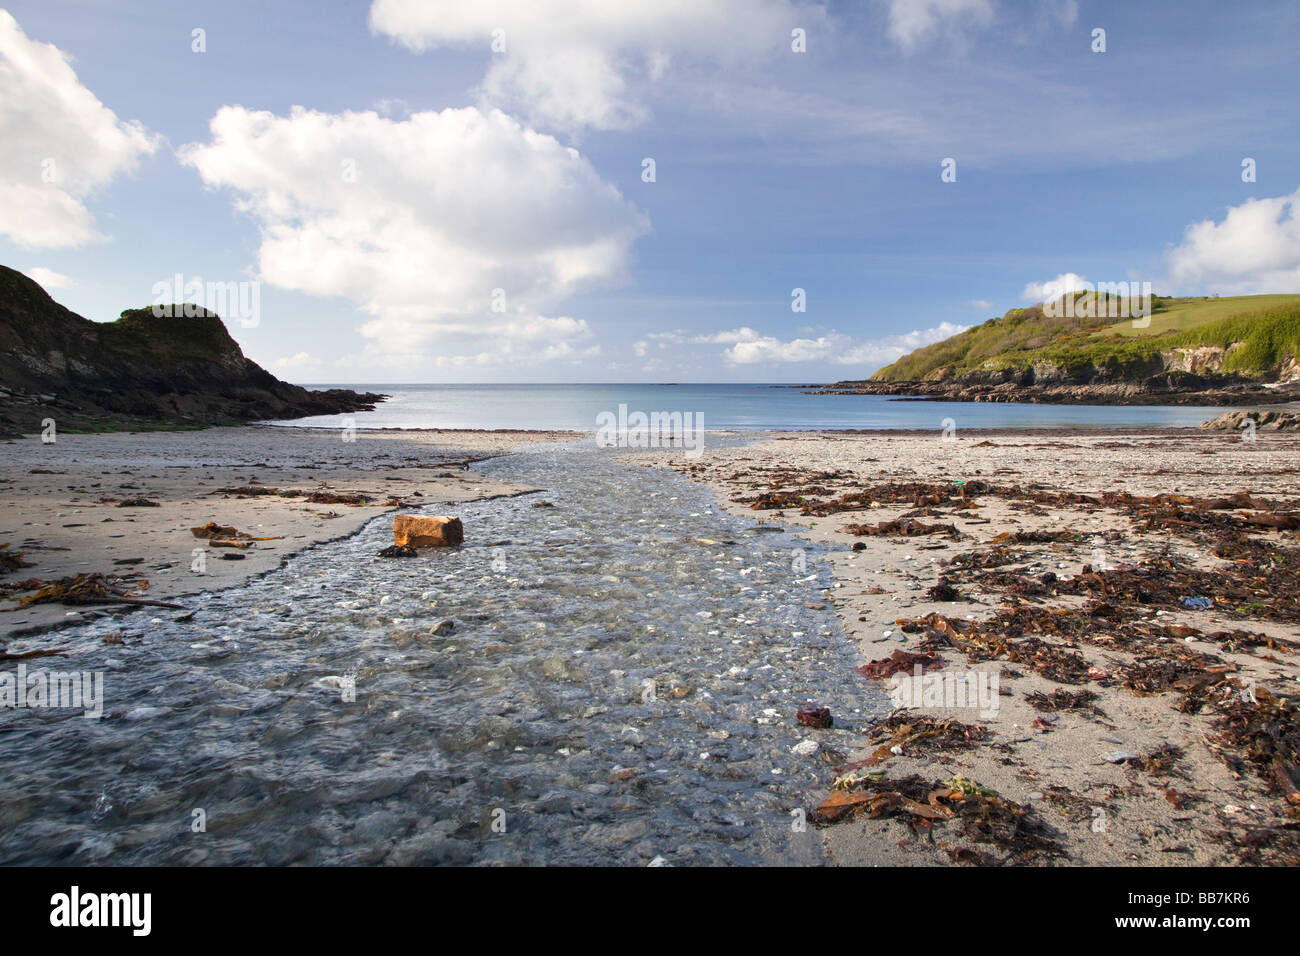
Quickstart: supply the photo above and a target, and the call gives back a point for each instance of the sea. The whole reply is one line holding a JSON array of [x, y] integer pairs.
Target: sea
[[579, 407]]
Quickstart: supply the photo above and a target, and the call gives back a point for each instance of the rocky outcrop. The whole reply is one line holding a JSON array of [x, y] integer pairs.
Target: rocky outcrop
[[1180, 376], [1169, 389], [1201, 360], [1264, 419], [140, 371]]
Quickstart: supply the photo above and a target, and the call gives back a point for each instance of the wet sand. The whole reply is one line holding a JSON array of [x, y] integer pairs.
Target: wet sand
[[60, 502]]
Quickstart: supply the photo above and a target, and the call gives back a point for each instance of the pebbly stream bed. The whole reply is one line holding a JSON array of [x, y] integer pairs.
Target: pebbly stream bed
[[612, 689]]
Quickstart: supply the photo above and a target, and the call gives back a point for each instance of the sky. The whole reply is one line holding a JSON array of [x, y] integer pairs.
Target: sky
[[410, 191]]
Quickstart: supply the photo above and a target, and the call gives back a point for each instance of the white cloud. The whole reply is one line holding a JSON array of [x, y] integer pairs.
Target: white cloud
[[1255, 249], [749, 347], [981, 305], [296, 362], [576, 63], [61, 144], [1054, 288], [912, 22], [454, 231], [47, 278]]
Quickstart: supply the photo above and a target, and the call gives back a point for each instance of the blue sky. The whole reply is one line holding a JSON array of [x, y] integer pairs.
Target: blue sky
[[497, 226]]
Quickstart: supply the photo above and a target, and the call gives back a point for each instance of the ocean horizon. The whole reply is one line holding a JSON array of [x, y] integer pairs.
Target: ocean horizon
[[729, 406]]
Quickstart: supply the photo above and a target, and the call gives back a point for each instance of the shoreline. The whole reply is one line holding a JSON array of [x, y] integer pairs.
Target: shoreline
[[63, 503], [1173, 799]]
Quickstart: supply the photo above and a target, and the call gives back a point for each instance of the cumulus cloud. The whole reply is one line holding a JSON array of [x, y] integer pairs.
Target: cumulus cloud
[[1255, 249], [981, 304], [1054, 288], [61, 144], [457, 229], [912, 22], [299, 361], [47, 278], [749, 347], [575, 63]]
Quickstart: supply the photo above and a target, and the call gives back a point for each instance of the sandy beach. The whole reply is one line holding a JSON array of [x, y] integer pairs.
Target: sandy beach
[[1107, 743], [1112, 724], [81, 505]]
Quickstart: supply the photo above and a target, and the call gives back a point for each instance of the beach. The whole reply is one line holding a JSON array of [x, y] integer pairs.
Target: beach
[[1039, 573], [1130, 766], [74, 506]]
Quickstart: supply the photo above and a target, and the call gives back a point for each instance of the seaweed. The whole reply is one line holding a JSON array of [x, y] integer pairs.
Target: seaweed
[[1060, 699], [898, 662], [983, 815], [94, 589], [227, 536], [12, 560], [1264, 734], [902, 527], [901, 733]]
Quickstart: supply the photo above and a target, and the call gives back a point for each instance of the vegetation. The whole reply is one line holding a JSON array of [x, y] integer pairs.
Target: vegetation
[[165, 340], [1264, 329]]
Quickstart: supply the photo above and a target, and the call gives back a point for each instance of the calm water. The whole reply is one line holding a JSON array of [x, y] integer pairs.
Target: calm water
[[575, 407]]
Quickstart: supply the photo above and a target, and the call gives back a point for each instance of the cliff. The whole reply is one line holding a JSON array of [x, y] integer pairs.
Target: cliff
[[140, 371]]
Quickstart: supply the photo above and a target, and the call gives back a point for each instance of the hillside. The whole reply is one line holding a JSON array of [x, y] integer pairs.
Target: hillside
[[1202, 350], [139, 371]]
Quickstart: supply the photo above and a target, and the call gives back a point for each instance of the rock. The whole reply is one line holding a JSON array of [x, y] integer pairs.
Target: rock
[[610, 835], [399, 551], [811, 716], [805, 748], [1270, 420], [377, 827], [442, 627], [418, 531]]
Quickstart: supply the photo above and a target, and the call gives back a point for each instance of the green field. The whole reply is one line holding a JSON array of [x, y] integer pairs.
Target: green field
[[1266, 326], [1183, 314]]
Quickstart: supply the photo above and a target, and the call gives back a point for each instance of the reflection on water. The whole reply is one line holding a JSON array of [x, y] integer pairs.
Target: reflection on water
[[611, 689]]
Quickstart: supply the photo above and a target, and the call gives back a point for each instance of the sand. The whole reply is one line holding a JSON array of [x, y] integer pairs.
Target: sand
[[1107, 813], [59, 502]]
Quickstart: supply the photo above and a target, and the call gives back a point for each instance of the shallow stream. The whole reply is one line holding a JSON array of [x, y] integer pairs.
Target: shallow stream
[[612, 689]]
